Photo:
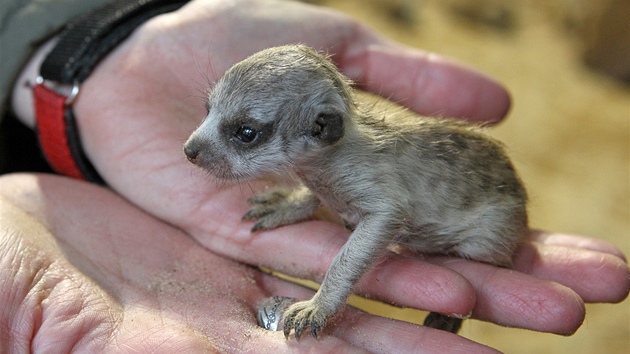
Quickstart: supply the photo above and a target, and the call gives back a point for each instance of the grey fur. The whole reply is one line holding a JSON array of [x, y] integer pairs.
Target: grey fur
[[433, 185]]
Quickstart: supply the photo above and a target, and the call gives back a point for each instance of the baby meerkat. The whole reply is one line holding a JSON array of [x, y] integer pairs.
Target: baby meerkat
[[431, 185]]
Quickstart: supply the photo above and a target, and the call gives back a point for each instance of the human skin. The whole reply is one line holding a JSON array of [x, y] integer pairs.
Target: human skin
[[144, 99]]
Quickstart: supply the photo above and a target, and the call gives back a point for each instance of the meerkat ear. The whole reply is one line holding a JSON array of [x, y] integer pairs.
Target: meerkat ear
[[327, 126]]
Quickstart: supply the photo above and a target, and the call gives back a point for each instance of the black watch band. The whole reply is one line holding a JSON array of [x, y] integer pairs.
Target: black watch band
[[87, 39], [82, 44]]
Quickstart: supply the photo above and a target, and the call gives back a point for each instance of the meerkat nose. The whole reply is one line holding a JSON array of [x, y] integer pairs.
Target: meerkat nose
[[192, 151]]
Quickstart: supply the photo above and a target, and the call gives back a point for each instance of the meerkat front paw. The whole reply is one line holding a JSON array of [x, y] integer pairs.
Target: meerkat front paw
[[304, 314], [281, 207]]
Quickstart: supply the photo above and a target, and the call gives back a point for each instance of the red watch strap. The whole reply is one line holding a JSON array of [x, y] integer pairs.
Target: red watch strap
[[52, 130]]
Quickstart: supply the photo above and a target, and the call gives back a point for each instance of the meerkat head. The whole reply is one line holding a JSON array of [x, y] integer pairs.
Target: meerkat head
[[270, 109]]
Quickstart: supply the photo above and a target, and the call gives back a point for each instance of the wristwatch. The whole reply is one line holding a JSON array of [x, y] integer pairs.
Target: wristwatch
[[82, 44]]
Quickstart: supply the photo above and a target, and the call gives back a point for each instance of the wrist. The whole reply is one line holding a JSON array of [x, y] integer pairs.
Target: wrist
[[56, 72]]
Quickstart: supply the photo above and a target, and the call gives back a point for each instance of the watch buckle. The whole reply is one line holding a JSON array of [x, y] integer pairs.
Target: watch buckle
[[69, 91]]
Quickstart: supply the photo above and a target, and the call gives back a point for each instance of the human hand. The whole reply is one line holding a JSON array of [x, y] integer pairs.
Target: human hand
[[83, 276], [146, 97]]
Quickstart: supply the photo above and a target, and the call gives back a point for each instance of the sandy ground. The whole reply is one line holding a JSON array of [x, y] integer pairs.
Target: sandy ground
[[568, 132]]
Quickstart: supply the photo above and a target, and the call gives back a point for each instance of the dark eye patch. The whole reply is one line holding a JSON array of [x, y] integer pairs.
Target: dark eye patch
[[244, 132]]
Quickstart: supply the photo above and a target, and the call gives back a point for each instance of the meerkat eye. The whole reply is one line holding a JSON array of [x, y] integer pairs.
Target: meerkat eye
[[246, 134]]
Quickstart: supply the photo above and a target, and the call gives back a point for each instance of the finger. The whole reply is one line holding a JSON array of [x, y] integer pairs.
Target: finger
[[595, 276], [510, 298], [575, 241], [424, 82], [381, 335]]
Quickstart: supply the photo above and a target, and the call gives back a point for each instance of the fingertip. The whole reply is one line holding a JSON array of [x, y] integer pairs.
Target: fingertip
[[595, 276], [494, 102], [562, 311], [514, 299], [576, 241]]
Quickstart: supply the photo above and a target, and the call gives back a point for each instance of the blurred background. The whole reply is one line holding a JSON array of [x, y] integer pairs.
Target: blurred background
[[567, 66]]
